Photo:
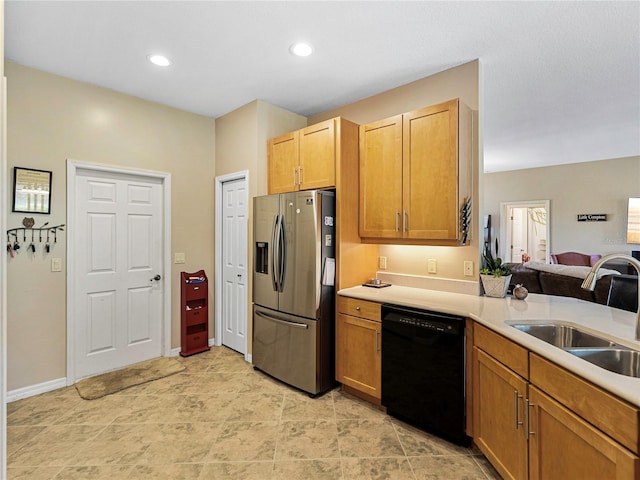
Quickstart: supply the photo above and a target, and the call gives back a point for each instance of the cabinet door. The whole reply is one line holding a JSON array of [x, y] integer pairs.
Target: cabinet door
[[358, 362], [498, 414], [430, 174], [318, 156], [562, 445], [283, 163], [381, 179]]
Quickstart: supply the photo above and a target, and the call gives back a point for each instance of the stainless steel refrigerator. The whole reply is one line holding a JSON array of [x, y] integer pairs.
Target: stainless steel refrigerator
[[293, 288]]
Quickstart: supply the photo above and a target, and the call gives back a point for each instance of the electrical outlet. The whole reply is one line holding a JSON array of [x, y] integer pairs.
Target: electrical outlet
[[382, 263], [432, 266], [179, 258], [468, 268]]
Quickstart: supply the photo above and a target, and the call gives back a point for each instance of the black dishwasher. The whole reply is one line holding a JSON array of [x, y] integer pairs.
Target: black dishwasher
[[423, 370]]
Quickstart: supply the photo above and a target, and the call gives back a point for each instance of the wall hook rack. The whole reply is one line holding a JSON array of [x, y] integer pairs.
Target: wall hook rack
[[20, 234]]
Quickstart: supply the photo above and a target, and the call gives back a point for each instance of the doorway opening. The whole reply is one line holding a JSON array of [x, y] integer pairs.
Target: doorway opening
[[232, 273], [525, 231]]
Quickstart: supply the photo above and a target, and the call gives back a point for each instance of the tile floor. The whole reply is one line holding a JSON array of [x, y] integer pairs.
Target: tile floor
[[220, 419]]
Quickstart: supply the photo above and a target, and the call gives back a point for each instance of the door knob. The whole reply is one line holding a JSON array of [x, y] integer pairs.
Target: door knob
[[156, 278]]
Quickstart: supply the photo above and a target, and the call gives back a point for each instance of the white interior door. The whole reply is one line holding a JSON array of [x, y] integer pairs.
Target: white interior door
[[235, 274], [518, 233], [118, 304]]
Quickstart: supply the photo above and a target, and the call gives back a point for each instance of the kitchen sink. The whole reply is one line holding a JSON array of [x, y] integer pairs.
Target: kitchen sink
[[594, 349], [562, 335], [619, 360]]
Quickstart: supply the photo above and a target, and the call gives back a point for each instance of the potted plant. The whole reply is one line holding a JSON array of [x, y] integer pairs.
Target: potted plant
[[494, 274]]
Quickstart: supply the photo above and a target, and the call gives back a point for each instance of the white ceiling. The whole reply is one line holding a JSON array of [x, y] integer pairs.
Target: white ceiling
[[561, 79]]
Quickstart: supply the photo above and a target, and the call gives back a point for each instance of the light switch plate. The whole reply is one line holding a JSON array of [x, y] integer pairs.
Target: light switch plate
[[382, 263], [179, 258], [56, 264], [432, 266]]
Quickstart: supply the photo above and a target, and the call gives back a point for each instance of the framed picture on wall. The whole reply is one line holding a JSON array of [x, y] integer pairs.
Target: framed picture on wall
[[31, 190]]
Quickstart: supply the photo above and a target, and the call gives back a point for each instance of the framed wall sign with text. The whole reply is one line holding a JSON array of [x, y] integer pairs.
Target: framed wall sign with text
[[31, 190]]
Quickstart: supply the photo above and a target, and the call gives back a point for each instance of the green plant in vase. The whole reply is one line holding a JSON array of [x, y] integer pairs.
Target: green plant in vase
[[495, 274]]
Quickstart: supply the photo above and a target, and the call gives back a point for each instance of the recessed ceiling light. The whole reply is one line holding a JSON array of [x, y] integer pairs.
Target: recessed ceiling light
[[301, 49], [159, 60]]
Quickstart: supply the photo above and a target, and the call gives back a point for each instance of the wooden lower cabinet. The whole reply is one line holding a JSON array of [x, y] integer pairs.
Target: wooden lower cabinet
[[358, 347], [498, 416], [563, 445], [526, 433]]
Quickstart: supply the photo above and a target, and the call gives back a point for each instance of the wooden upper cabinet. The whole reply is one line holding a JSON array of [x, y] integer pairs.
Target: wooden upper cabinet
[[282, 158], [304, 159], [381, 178], [317, 168], [430, 176], [415, 175]]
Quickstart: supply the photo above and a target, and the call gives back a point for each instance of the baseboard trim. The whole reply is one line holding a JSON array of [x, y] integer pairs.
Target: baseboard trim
[[30, 391], [176, 351]]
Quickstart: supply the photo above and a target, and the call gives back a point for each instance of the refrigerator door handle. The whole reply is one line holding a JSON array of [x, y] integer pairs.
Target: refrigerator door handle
[[274, 253], [283, 322], [282, 254]]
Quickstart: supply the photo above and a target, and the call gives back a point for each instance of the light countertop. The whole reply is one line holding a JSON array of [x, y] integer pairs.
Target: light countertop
[[617, 325]]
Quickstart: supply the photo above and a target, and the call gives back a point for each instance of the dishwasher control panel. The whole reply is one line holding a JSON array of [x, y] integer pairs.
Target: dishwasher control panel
[[421, 323]]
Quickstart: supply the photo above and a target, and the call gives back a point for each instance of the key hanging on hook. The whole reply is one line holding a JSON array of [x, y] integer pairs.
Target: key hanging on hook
[[47, 247], [16, 243], [32, 247], [40, 230]]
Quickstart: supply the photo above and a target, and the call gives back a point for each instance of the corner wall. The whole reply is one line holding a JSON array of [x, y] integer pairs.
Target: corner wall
[[51, 119], [241, 144]]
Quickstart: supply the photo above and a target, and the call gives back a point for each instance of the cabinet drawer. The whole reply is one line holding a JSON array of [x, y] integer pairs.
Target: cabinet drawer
[[615, 417], [196, 316], [502, 349], [195, 291], [359, 308], [197, 340]]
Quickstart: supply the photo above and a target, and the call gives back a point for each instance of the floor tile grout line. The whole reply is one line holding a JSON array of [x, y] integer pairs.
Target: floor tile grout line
[[404, 450]]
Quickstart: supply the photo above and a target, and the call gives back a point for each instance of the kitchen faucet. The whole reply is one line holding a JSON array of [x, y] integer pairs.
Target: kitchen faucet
[[590, 282]]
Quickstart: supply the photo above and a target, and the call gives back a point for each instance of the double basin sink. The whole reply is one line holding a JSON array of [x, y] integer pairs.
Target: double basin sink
[[598, 350]]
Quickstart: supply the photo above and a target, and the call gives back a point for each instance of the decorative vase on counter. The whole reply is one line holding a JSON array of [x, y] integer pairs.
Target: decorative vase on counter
[[495, 286]]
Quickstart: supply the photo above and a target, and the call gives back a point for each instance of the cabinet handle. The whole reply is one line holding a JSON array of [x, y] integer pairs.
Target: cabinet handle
[[299, 175], [527, 418], [405, 225], [397, 219], [377, 341], [515, 409], [295, 181], [358, 308]]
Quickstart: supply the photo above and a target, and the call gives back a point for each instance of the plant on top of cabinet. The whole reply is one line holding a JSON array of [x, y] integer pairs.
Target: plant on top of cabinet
[[415, 175]]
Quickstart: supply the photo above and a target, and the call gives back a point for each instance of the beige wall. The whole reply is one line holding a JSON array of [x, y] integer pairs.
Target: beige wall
[[3, 265], [51, 119], [241, 144], [459, 82], [589, 187]]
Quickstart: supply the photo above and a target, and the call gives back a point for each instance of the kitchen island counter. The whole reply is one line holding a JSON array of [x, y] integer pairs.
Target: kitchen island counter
[[614, 324]]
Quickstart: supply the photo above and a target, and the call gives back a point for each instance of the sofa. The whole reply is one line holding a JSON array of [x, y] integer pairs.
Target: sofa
[[550, 281]]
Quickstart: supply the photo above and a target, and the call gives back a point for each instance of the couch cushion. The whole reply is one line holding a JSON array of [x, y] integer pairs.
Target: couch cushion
[[624, 292], [528, 278], [564, 286]]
